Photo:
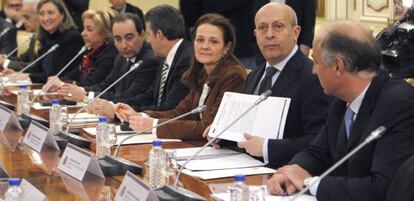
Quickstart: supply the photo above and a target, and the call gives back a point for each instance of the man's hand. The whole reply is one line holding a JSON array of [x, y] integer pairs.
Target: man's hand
[[53, 83], [280, 184], [18, 76], [139, 123], [205, 134], [71, 92], [101, 107], [295, 173], [253, 145], [123, 111]]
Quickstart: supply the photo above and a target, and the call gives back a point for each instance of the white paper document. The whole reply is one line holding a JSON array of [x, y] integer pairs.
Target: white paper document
[[92, 131], [207, 153], [142, 139], [227, 162], [18, 83], [83, 117], [266, 120], [226, 197], [215, 174]]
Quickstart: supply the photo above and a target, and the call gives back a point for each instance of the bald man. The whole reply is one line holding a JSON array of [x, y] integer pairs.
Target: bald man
[[347, 62], [277, 33]]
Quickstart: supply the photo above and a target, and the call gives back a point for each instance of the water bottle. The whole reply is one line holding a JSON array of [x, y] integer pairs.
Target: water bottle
[[240, 191], [157, 163], [101, 138], [23, 102], [14, 193], [54, 116]]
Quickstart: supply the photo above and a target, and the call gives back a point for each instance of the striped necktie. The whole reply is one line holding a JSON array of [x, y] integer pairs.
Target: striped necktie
[[163, 80]]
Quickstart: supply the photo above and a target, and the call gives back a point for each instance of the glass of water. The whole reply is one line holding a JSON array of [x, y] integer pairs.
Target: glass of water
[[171, 166], [257, 193], [112, 137], [63, 118]]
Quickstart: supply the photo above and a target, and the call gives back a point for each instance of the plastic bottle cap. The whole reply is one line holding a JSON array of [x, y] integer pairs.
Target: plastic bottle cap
[[239, 178], [14, 182], [156, 143], [103, 119], [23, 86], [55, 102]]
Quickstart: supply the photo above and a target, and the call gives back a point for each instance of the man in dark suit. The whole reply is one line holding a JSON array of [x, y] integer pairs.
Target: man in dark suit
[[347, 62], [288, 73], [165, 32], [121, 6], [8, 39], [128, 34], [31, 24], [11, 13]]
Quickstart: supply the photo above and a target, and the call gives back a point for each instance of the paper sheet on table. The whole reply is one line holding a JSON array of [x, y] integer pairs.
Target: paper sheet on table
[[92, 131], [142, 139], [34, 91], [84, 117], [266, 120], [215, 174], [226, 197], [18, 83], [39, 106], [227, 162], [208, 152]]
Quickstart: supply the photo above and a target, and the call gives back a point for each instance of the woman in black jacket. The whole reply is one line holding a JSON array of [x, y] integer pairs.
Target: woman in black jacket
[[97, 63], [56, 27]]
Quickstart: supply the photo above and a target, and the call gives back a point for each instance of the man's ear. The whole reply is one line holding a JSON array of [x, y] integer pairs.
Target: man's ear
[[339, 65]]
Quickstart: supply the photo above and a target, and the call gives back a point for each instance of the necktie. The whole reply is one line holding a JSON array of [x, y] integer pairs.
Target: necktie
[[348, 119], [164, 72], [267, 80]]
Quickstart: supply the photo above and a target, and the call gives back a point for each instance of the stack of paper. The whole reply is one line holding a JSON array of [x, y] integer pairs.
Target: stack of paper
[[220, 163], [39, 106], [83, 117], [226, 197], [207, 153], [215, 174], [92, 131]]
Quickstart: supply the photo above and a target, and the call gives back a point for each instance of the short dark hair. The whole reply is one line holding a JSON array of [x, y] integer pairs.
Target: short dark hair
[[195, 76], [67, 22], [358, 55], [168, 20], [122, 17]]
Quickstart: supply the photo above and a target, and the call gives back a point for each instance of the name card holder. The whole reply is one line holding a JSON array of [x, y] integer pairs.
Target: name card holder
[[7, 117], [37, 136], [76, 162], [31, 192], [133, 188]]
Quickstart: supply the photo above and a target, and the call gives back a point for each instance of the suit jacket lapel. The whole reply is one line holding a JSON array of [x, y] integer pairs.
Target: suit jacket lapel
[[288, 75], [254, 80], [359, 129]]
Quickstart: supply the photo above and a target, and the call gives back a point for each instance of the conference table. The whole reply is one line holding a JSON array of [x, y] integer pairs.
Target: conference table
[[40, 169]]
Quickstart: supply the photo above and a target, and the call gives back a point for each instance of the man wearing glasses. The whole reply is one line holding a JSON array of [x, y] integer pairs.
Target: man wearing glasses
[[11, 13]]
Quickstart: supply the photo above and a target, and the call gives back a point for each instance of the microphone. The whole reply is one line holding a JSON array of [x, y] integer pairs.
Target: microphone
[[133, 67], [53, 48], [179, 193], [65, 137], [113, 165], [81, 51], [261, 98], [24, 42], [4, 32], [197, 110], [375, 134]]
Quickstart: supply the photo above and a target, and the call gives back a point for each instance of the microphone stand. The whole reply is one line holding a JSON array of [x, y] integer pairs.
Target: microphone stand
[[66, 137], [4, 32], [179, 193], [114, 165], [375, 134], [53, 48]]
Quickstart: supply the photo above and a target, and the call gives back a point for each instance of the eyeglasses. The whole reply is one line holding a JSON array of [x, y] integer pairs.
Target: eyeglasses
[[15, 6]]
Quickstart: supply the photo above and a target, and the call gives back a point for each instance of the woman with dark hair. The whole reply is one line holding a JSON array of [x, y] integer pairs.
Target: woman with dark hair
[[97, 63], [56, 27], [214, 71]]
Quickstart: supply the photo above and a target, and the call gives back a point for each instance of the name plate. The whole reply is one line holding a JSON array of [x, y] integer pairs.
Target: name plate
[[132, 188], [7, 116], [37, 136], [76, 162], [31, 192]]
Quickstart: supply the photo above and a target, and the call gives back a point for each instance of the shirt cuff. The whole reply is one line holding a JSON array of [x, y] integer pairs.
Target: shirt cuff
[[6, 63], [314, 188], [264, 151], [154, 123]]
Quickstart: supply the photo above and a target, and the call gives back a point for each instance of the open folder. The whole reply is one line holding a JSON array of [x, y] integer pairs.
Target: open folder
[[266, 120]]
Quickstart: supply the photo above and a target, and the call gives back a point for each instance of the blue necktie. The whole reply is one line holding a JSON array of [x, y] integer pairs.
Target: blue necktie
[[267, 80], [348, 118]]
